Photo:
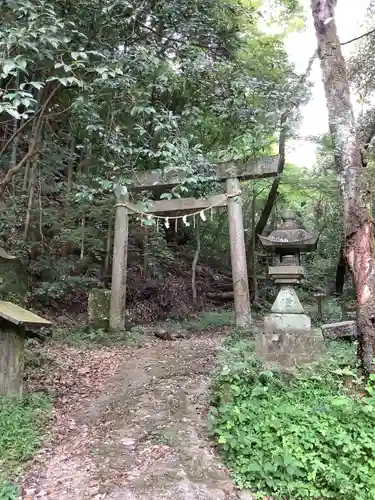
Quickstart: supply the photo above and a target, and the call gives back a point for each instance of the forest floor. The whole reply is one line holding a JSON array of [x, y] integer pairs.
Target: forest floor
[[129, 423]]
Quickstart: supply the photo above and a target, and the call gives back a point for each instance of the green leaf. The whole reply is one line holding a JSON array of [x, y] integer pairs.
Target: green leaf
[[166, 196], [340, 401], [14, 113], [8, 67]]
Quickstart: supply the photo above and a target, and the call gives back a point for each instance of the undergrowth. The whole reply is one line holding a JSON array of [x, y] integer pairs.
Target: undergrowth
[[306, 433], [209, 320], [22, 428], [88, 335]]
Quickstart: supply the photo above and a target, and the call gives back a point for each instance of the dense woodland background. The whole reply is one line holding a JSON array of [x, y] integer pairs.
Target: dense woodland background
[[93, 91]]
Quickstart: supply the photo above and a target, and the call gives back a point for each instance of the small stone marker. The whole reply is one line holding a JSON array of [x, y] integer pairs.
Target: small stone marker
[[320, 294], [13, 322], [343, 329], [245, 495], [98, 304]]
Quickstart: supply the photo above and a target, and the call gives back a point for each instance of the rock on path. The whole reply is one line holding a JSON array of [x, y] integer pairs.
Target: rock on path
[[142, 436]]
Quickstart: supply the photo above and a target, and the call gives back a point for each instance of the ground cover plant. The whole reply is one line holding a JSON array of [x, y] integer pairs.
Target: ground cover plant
[[22, 428], [307, 433]]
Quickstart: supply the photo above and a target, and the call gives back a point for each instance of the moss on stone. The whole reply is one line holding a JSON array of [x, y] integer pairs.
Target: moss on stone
[[98, 307]]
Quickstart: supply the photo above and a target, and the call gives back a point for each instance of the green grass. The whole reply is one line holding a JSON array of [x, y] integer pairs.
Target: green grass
[[306, 432], [209, 320], [22, 429], [86, 335]]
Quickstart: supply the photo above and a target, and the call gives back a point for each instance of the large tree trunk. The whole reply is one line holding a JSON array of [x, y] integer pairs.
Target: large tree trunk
[[359, 236], [340, 272]]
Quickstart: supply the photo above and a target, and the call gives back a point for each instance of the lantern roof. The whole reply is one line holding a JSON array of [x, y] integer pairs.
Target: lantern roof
[[289, 237]]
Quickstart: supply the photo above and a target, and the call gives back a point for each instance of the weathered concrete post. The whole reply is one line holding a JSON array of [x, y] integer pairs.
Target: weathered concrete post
[[238, 255], [120, 260]]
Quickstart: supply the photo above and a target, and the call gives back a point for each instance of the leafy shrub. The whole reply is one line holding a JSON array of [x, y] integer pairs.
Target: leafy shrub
[[301, 434], [22, 426]]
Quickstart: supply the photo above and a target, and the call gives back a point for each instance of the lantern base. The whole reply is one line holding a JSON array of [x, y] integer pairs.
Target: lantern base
[[289, 340]]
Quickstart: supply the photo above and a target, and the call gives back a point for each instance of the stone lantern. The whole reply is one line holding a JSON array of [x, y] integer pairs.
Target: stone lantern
[[287, 329]]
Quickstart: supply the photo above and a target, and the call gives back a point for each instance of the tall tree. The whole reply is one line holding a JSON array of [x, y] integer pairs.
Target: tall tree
[[359, 235]]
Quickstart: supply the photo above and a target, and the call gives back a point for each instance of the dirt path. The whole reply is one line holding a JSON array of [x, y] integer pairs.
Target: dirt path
[[140, 434]]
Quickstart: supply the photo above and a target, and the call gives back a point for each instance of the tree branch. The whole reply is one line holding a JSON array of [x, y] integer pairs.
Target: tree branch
[[358, 37], [41, 110], [33, 149], [12, 172], [18, 131]]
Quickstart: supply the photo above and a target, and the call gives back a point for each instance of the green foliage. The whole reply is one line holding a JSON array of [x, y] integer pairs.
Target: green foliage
[[8, 491], [23, 424], [300, 434], [331, 309]]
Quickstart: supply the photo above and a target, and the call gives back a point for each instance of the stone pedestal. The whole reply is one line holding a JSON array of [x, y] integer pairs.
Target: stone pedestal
[[287, 335], [278, 324]]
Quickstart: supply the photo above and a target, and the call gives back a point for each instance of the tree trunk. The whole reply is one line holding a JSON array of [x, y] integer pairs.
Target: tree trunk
[[195, 261], [30, 203], [273, 193], [108, 248], [358, 225], [146, 251], [71, 165], [254, 279], [340, 272]]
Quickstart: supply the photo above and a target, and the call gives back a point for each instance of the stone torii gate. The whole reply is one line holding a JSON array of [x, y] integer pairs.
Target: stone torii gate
[[231, 174]]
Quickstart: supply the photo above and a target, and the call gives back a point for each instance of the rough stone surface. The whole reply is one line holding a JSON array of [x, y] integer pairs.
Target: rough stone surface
[[287, 302], [298, 324], [245, 495], [98, 307], [289, 340], [343, 329]]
